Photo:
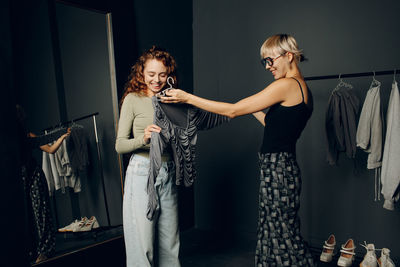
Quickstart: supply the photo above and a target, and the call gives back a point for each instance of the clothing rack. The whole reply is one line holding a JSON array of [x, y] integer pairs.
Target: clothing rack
[[352, 75], [71, 121], [93, 115]]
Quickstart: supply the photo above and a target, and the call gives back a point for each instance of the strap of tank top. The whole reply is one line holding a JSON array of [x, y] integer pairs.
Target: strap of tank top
[[301, 89]]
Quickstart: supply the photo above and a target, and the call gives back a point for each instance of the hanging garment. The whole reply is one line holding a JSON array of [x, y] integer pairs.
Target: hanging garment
[[77, 148], [48, 172], [340, 122], [54, 172], [391, 154], [179, 125], [369, 130], [68, 177]]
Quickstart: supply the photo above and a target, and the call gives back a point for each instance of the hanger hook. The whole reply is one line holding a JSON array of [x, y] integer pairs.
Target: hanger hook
[[340, 78], [394, 75], [170, 82]]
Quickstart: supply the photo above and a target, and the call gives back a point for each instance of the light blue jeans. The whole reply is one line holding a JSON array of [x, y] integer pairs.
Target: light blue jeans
[[139, 232]]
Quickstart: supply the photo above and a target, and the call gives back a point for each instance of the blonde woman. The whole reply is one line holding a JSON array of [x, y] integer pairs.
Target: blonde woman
[[290, 106]]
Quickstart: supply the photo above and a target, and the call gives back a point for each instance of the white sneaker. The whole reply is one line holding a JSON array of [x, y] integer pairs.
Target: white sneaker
[[77, 227], [69, 227], [385, 260], [370, 257], [347, 254], [90, 224], [328, 249]]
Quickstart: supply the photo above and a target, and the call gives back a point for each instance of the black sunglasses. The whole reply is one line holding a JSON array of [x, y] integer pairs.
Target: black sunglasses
[[269, 60]]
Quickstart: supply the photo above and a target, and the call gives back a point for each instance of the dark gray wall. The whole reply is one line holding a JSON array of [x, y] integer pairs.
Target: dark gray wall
[[167, 24], [337, 37]]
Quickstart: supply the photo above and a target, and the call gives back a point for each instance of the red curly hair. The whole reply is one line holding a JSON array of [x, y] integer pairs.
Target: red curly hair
[[135, 83]]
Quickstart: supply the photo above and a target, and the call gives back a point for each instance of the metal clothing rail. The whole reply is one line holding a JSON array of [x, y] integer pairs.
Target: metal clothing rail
[[351, 75], [71, 121]]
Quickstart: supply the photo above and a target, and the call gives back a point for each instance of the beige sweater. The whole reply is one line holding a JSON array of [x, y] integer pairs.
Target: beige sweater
[[136, 114]]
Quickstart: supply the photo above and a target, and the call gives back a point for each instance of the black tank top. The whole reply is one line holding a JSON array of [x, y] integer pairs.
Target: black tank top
[[283, 125]]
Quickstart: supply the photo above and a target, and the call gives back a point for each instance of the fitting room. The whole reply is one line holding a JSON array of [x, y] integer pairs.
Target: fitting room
[[66, 63]]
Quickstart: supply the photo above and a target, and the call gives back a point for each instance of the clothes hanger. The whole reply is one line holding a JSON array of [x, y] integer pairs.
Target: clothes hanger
[[342, 84], [394, 76], [170, 82], [375, 81]]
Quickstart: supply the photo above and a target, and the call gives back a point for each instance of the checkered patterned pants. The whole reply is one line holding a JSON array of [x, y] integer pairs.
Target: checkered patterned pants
[[279, 242]]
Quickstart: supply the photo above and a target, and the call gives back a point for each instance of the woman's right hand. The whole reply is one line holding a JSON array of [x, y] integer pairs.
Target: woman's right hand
[[148, 130], [175, 96]]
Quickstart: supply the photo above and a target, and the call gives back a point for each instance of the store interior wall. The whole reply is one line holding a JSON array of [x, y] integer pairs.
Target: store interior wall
[[337, 37]]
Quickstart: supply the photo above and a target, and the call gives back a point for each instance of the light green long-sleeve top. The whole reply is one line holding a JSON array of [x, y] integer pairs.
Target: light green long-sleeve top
[[136, 114]]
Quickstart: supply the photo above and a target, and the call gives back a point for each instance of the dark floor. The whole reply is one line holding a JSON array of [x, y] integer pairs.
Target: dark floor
[[205, 249], [198, 249]]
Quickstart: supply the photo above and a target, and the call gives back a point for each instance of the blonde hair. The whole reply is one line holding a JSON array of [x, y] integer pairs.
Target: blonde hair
[[280, 44]]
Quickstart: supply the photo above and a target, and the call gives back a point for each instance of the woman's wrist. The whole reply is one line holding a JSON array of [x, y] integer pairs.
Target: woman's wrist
[[189, 98]]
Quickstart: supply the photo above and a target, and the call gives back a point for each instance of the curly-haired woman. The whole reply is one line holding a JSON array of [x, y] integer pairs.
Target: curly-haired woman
[[148, 77]]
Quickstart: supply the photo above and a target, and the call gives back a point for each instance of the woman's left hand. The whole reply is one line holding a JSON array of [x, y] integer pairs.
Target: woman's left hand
[[175, 96]]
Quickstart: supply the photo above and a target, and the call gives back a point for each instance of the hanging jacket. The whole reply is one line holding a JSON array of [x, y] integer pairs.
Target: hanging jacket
[[390, 175], [179, 125], [369, 131], [340, 122]]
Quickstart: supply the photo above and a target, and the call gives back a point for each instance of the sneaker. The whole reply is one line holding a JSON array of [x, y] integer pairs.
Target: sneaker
[[385, 260], [69, 227], [328, 248], [370, 257], [90, 224], [77, 227]]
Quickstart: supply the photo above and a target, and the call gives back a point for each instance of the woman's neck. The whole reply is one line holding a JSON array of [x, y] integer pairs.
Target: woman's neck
[[294, 71]]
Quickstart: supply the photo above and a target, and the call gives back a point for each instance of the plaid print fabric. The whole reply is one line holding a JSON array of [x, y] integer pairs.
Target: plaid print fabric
[[279, 242]]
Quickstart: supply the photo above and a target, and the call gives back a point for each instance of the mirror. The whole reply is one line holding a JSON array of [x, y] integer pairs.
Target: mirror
[[65, 60]]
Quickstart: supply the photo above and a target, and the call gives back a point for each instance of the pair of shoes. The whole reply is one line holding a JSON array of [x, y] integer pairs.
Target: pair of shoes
[[73, 226], [87, 225], [347, 252], [370, 259]]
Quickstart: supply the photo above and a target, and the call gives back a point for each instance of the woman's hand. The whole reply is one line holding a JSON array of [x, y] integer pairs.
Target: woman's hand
[[175, 96], [66, 134], [148, 130]]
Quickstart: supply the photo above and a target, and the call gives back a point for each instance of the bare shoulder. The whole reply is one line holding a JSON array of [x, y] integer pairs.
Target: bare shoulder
[[283, 85]]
